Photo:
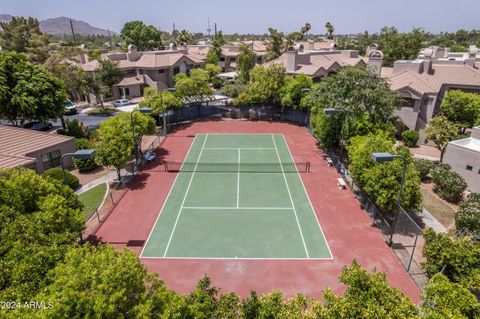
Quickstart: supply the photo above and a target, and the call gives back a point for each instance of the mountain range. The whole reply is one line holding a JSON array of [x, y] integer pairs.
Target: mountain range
[[61, 26]]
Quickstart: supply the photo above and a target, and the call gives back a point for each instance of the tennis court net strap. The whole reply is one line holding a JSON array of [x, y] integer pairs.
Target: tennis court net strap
[[290, 167]]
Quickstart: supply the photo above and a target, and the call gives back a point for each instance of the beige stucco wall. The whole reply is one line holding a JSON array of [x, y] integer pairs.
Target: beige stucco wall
[[458, 158], [64, 147]]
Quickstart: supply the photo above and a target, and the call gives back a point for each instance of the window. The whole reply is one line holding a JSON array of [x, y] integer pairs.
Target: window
[[51, 159], [127, 91], [176, 70], [222, 59], [428, 101], [469, 168], [407, 102], [161, 71]]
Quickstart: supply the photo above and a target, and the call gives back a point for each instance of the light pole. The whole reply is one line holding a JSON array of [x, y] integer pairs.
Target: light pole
[[80, 154], [333, 112], [388, 157], [135, 146], [164, 116]]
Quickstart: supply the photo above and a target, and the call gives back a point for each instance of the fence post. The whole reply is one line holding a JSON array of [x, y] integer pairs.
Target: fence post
[[413, 251], [96, 213]]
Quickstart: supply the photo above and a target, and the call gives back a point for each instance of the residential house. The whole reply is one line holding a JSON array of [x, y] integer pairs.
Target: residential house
[[422, 83], [464, 158], [32, 149], [150, 68], [317, 63]]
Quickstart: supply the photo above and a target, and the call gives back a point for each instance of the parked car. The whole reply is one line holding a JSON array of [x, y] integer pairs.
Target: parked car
[[70, 108], [38, 126], [121, 102]]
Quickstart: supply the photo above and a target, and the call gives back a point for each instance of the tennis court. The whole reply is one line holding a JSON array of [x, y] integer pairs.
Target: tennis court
[[237, 196]]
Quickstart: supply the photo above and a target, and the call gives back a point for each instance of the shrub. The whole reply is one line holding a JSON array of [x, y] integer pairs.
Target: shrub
[[57, 174], [74, 128], [217, 83], [233, 90], [448, 184], [468, 216], [84, 165], [424, 167], [410, 138]]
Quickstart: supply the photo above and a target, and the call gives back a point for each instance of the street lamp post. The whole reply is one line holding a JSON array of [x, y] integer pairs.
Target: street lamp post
[[132, 122], [80, 154], [333, 112], [388, 157]]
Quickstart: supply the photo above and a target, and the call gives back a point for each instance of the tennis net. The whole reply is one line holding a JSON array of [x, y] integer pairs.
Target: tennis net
[[289, 167]]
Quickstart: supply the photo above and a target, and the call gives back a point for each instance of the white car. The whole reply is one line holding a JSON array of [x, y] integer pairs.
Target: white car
[[121, 102]]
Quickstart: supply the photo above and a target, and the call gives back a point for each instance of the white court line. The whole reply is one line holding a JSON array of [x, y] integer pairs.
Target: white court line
[[238, 179], [185, 197], [239, 148], [291, 199], [309, 201], [237, 208], [168, 196], [240, 258]]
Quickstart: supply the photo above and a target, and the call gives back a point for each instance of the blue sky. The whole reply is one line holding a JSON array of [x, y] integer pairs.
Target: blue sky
[[255, 16]]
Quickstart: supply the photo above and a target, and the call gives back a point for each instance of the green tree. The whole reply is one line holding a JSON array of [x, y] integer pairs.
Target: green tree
[[330, 29], [39, 219], [215, 52], [213, 70], [366, 102], [444, 299], [228, 306], [184, 36], [306, 27], [24, 36], [115, 139], [159, 102], [100, 82], [381, 181], [194, 88], [144, 37], [449, 185], [440, 131], [368, 296], [468, 215], [246, 62], [265, 85], [275, 45], [458, 257], [461, 108], [400, 46], [28, 91], [292, 92], [250, 308], [96, 282], [70, 74], [201, 303]]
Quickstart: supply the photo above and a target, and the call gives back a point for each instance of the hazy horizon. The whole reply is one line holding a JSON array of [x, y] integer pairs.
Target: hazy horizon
[[250, 16]]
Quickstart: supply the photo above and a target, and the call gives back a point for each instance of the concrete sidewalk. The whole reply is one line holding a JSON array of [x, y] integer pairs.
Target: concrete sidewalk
[[432, 222]]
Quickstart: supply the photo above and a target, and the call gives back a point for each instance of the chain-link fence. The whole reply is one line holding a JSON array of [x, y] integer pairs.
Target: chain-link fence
[[221, 109], [407, 239]]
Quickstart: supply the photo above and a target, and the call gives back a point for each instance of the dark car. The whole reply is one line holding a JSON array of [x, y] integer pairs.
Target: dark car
[[38, 126]]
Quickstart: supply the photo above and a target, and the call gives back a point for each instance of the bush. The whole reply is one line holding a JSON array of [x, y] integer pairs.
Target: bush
[[468, 216], [57, 174], [217, 83], [74, 128], [233, 90], [448, 184], [84, 165], [410, 138], [424, 167]]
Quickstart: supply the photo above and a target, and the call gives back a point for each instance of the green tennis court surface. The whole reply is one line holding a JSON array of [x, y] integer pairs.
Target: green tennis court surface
[[237, 196]]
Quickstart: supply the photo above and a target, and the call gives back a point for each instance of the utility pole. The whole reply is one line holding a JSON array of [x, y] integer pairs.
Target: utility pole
[[215, 29], [73, 32], [209, 30]]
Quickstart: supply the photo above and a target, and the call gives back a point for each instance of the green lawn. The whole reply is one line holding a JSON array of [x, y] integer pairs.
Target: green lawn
[[92, 198], [438, 208]]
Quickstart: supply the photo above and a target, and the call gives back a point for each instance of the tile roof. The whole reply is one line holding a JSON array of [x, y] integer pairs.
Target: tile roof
[[463, 75], [132, 80], [17, 143]]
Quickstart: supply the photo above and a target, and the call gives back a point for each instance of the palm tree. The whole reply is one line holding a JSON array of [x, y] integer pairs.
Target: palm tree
[[184, 36], [330, 29], [305, 28]]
